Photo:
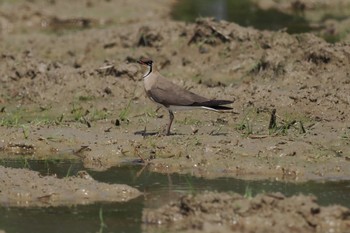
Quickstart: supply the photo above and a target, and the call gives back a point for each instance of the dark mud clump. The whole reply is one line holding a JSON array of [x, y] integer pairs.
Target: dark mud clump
[[223, 212]]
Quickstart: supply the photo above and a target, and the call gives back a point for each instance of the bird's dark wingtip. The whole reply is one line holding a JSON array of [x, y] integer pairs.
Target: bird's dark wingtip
[[213, 103], [220, 108]]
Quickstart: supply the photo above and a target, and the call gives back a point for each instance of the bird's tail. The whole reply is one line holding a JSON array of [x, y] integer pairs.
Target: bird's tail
[[215, 105], [220, 108]]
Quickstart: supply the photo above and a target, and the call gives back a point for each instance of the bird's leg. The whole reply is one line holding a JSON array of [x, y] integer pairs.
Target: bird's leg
[[171, 118]]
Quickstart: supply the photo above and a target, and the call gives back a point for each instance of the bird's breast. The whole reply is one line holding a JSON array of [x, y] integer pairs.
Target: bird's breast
[[149, 82]]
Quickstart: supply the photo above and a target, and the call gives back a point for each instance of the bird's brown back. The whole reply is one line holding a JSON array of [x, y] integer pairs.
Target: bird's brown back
[[167, 93]]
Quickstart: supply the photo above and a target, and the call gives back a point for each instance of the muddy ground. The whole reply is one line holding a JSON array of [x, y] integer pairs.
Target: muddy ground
[[223, 212], [70, 87]]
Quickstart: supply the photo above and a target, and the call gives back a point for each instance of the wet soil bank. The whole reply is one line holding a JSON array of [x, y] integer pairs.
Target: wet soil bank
[[224, 212], [22, 187]]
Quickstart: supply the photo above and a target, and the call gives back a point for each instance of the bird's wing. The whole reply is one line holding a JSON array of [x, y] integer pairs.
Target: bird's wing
[[168, 93]]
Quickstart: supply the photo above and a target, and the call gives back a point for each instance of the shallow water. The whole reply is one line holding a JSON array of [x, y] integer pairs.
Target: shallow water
[[158, 189], [246, 13], [243, 12]]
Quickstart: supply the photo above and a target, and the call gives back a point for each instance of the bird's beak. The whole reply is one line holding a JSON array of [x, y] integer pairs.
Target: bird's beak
[[140, 62]]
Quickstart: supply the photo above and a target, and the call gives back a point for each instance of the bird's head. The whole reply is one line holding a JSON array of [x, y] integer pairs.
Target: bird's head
[[145, 62]]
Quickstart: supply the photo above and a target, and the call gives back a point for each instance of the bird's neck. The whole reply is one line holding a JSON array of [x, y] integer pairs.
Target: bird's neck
[[148, 72]]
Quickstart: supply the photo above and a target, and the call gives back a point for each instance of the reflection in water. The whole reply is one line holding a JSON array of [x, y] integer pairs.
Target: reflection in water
[[218, 9], [158, 189], [243, 12]]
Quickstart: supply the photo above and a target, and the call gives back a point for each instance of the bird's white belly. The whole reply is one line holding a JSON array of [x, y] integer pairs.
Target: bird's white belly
[[183, 108]]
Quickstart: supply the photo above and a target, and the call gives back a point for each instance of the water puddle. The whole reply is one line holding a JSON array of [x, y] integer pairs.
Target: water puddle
[[158, 189], [247, 13], [243, 12], [57, 167]]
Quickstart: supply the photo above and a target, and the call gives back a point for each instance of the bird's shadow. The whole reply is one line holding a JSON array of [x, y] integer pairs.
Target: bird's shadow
[[144, 133], [218, 134]]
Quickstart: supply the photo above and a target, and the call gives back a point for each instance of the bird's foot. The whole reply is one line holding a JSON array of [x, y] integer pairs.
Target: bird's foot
[[164, 132]]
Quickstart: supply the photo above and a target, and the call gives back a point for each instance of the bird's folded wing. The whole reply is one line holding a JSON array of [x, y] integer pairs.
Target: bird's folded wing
[[168, 93]]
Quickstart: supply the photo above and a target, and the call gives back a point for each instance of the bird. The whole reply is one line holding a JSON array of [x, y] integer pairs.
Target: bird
[[173, 97]]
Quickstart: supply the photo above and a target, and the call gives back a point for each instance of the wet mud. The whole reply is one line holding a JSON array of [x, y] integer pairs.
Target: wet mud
[[22, 187], [224, 212]]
